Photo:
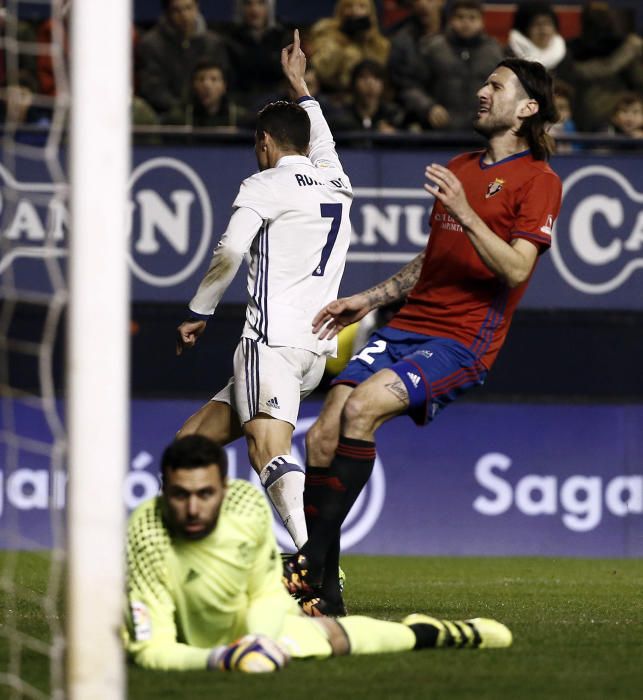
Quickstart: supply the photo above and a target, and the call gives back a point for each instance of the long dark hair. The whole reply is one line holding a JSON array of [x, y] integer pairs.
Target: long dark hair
[[538, 85]]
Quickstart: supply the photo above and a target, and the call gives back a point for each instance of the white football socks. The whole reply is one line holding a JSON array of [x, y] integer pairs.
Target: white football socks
[[284, 480]]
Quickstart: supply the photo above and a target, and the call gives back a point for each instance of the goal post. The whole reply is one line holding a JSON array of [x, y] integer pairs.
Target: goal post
[[98, 345]]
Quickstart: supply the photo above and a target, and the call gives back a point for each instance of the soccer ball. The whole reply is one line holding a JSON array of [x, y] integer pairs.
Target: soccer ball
[[255, 653]]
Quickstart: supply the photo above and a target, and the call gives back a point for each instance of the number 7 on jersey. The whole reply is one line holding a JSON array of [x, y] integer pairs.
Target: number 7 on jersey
[[334, 212]]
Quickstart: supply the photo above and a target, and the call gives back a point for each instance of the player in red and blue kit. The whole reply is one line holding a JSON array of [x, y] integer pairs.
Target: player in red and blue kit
[[493, 215]]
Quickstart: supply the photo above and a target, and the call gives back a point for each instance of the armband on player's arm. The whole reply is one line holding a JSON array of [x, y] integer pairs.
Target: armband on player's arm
[[194, 316]]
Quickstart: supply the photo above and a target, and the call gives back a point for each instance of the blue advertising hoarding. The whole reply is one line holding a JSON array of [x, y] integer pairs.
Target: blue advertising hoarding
[[484, 479], [181, 200]]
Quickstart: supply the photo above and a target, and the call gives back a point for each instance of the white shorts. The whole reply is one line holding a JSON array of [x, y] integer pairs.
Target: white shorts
[[271, 380]]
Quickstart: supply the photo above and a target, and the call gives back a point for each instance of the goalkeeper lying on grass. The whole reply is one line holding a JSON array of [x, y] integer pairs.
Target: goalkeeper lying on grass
[[204, 583]]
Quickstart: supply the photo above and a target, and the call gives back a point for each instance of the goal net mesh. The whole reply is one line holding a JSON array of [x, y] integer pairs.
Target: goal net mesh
[[33, 298]]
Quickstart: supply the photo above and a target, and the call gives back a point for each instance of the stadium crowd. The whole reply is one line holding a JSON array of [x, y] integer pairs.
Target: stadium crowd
[[420, 73]]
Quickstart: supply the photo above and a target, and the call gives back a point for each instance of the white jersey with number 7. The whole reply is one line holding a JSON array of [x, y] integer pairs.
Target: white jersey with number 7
[[292, 224]]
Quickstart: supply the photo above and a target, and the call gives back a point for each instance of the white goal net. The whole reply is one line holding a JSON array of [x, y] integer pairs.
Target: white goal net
[[63, 310]]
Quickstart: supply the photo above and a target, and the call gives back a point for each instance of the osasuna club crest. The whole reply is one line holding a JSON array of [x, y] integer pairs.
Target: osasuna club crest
[[494, 187]]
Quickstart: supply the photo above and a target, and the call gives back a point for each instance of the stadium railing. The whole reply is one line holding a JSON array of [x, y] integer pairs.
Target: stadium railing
[[447, 139]]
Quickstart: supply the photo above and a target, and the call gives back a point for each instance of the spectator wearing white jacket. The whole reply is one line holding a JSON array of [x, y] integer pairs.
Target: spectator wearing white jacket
[[535, 35]]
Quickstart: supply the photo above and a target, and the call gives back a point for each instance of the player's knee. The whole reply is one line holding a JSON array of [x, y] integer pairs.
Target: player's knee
[[359, 412], [321, 441]]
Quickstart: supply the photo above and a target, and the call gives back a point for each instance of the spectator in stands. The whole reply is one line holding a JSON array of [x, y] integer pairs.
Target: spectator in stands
[[407, 37], [168, 53], [17, 111], [52, 35], [45, 60], [339, 43], [368, 108], [208, 104], [424, 20], [22, 31], [452, 66], [563, 98], [254, 44], [311, 79], [601, 63], [535, 35], [329, 107], [627, 117], [143, 116]]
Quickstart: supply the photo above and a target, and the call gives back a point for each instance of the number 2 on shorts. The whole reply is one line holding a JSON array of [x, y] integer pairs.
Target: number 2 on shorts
[[334, 212], [375, 349]]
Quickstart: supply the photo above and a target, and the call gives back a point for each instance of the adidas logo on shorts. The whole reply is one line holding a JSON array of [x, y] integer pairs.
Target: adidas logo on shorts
[[273, 403], [415, 379]]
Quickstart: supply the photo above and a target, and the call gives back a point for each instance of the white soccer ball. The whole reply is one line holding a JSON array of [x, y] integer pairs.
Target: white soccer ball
[[256, 653]]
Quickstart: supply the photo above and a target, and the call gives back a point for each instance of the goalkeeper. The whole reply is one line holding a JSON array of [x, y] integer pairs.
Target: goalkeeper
[[204, 583]]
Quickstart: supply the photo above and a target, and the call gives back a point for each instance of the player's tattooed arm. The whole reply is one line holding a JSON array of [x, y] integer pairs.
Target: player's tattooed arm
[[340, 313], [396, 287]]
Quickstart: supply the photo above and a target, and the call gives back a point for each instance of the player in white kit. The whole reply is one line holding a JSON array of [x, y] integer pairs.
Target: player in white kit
[[291, 223]]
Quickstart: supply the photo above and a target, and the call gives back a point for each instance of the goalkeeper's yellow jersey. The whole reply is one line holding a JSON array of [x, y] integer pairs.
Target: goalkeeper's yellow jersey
[[184, 597]]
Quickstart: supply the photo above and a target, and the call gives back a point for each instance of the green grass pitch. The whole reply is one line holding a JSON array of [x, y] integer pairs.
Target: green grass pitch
[[577, 624]]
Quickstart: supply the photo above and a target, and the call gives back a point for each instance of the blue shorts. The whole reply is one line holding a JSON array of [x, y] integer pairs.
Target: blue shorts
[[435, 370]]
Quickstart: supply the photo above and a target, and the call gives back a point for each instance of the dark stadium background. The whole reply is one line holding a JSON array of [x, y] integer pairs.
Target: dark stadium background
[[588, 355], [578, 355]]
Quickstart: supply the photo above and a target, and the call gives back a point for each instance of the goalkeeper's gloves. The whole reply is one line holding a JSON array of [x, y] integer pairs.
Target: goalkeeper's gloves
[[254, 653]]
